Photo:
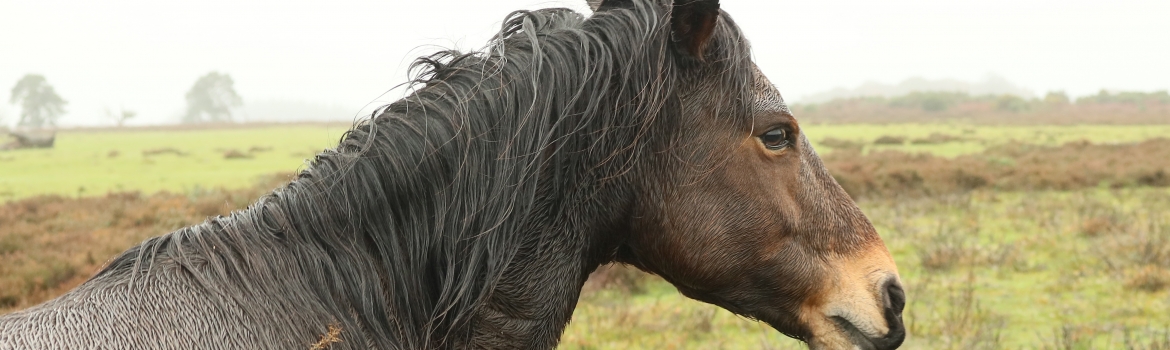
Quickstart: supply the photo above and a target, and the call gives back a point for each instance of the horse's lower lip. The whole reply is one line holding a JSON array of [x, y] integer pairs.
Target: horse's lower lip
[[855, 336]]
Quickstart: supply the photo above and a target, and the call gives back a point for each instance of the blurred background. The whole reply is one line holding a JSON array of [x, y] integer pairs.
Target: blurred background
[[1013, 154]]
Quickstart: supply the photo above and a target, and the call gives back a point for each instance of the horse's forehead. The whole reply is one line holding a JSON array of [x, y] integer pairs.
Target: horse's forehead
[[767, 97]]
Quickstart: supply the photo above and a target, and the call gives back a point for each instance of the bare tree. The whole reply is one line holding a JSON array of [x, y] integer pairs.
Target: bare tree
[[211, 99], [40, 105], [121, 117]]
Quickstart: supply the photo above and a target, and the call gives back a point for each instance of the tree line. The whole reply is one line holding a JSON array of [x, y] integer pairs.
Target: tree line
[[1105, 107], [210, 99]]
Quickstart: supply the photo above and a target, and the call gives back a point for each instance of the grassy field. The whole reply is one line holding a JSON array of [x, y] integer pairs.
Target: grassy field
[[960, 139], [1001, 265], [90, 163]]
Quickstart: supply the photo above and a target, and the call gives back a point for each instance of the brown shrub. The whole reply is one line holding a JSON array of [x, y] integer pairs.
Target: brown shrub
[[1157, 177], [163, 151], [983, 110], [1098, 225], [889, 140], [941, 256], [842, 144], [236, 154], [1149, 278], [1014, 166], [50, 244], [1141, 240], [936, 138]]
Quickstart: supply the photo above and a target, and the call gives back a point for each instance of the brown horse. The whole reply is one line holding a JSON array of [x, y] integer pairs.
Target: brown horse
[[470, 213]]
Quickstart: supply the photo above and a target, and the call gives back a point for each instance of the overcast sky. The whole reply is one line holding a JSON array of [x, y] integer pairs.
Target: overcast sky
[[144, 55]]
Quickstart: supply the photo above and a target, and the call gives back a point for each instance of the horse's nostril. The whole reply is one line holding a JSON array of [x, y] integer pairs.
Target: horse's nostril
[[895, 301], [895, 297]]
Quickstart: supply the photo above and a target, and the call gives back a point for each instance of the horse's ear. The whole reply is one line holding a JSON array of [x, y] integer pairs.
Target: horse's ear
[[602, 5], [692, 22]]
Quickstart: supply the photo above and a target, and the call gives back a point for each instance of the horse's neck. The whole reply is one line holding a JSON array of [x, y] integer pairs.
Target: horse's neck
[[534, 298], [538, 294]]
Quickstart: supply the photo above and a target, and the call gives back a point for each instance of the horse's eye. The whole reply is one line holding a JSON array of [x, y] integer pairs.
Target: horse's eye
[[775, 139]]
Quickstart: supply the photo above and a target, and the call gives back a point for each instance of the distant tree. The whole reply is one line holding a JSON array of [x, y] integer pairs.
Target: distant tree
[[39, 103], [1011, 103], [1128, 97], [211, 99], [1056, 98], [930, 101], [121, 117]]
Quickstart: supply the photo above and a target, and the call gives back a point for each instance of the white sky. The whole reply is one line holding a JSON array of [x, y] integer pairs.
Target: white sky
[[144, 55]]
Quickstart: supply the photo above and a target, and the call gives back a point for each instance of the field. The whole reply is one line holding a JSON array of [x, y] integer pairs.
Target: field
[[956, 139], [89, 163], [1016, 236], [97, 162]]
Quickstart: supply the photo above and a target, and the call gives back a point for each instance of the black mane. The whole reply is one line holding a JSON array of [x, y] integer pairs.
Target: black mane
[[407, 228]]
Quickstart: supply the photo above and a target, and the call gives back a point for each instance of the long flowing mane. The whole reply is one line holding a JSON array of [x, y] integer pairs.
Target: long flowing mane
[[410, 225]]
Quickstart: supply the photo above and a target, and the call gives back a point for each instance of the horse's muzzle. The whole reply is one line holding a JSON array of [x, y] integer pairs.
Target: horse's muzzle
[[894, 300]]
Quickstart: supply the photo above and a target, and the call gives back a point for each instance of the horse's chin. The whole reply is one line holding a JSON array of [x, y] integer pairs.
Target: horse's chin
[[837, 333], [825, 334], [838, 343]]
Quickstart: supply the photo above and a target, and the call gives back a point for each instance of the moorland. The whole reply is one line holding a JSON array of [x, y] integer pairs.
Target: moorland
[[1015, 223]]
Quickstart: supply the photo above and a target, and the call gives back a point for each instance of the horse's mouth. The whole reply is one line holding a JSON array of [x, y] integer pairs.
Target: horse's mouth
[[861, 341], [855, 336]]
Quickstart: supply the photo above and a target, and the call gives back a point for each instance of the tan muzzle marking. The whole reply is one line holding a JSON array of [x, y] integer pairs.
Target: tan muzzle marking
[[853, 292]]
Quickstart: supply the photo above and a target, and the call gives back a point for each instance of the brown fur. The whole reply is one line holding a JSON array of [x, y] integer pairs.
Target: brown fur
[[764, 233]]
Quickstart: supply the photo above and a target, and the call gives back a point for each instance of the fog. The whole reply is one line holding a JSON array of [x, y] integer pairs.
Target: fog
[[333, 60]]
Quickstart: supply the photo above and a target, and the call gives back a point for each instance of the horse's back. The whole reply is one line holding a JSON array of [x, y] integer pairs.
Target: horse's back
[[162, 312]]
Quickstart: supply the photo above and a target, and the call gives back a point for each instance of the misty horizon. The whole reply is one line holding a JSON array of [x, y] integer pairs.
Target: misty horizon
[[307, 61]]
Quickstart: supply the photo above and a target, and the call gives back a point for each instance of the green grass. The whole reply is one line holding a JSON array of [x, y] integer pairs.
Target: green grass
[[660, 318], [96, 162], [976, 138]]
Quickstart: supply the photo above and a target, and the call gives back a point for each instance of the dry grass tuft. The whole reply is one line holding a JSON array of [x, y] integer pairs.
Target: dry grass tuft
[[1098, 225], [889, 140], [842, 144], [964, 324], [1146, 339], [161, 151], [936, 138], [332, 336], [944, 253], [1150, 278], [236, 154]]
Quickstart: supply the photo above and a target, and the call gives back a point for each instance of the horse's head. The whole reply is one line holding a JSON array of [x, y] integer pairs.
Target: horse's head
[[737, 210]]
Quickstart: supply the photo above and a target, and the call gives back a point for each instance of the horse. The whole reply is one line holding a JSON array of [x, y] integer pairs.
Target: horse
[[469, 213]]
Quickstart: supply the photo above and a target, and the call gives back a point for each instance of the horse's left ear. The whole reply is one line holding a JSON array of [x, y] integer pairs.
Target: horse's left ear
[[692, 22]]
